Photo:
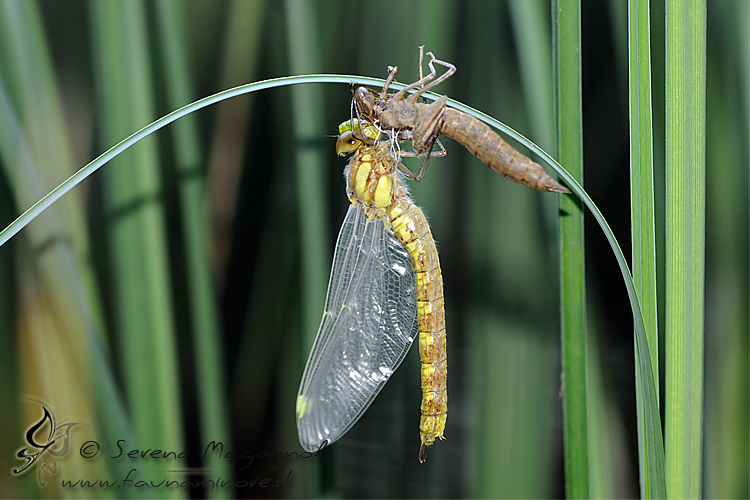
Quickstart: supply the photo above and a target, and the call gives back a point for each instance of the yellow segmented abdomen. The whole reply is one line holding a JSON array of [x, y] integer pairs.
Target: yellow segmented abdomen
[[373, 182], [411, 228]]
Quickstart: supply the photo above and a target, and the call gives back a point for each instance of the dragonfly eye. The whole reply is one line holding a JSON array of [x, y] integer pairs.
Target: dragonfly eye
[[347, 143]]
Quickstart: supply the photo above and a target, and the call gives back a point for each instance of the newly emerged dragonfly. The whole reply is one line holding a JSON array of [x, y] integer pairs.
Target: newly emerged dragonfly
[[401, 116], [385, 288], [386, 285]]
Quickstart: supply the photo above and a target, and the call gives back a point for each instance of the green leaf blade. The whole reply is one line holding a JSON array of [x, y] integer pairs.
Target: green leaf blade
[[685, 244], [569, 121]]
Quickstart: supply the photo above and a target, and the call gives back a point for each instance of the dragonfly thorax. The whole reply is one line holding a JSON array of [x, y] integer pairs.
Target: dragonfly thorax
[[372, 179]]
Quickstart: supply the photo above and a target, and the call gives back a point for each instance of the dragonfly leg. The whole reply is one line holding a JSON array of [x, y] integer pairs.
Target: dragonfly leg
[[413, 154], [421, 56], [418, 83], [391, 77], [438, 154], [408, 172], [437, 81], [442, 152], [353, 108], [417, 177], [424, 169]]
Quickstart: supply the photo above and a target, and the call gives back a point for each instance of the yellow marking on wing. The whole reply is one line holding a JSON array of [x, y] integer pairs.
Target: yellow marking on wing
[[301, 406]]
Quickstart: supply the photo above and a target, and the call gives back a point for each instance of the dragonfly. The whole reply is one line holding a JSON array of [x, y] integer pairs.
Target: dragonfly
[[402, 116], [385, 289], [386, 284]]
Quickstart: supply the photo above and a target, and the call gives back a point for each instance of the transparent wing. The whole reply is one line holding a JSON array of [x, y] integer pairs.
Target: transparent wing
[[369, 323]]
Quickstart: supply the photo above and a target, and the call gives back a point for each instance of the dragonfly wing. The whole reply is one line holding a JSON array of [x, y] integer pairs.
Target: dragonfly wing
[[369, 323]]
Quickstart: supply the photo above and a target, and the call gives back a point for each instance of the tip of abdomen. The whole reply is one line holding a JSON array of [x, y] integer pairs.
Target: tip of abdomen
[[551, 185]]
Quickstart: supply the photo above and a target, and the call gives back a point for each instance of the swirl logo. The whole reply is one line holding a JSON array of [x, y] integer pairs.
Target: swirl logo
[[47, 440]]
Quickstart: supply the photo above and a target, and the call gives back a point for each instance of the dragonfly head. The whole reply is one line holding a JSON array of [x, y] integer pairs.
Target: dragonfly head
[[352, 133], [347, 144]]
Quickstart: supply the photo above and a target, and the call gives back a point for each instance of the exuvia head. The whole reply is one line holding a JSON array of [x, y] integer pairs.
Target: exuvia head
[[365, 99]]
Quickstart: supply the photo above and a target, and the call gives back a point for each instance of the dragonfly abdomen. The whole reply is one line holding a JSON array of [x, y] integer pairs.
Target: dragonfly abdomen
[[411, 228], [481, 141], [374, 183], [493, 151]]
